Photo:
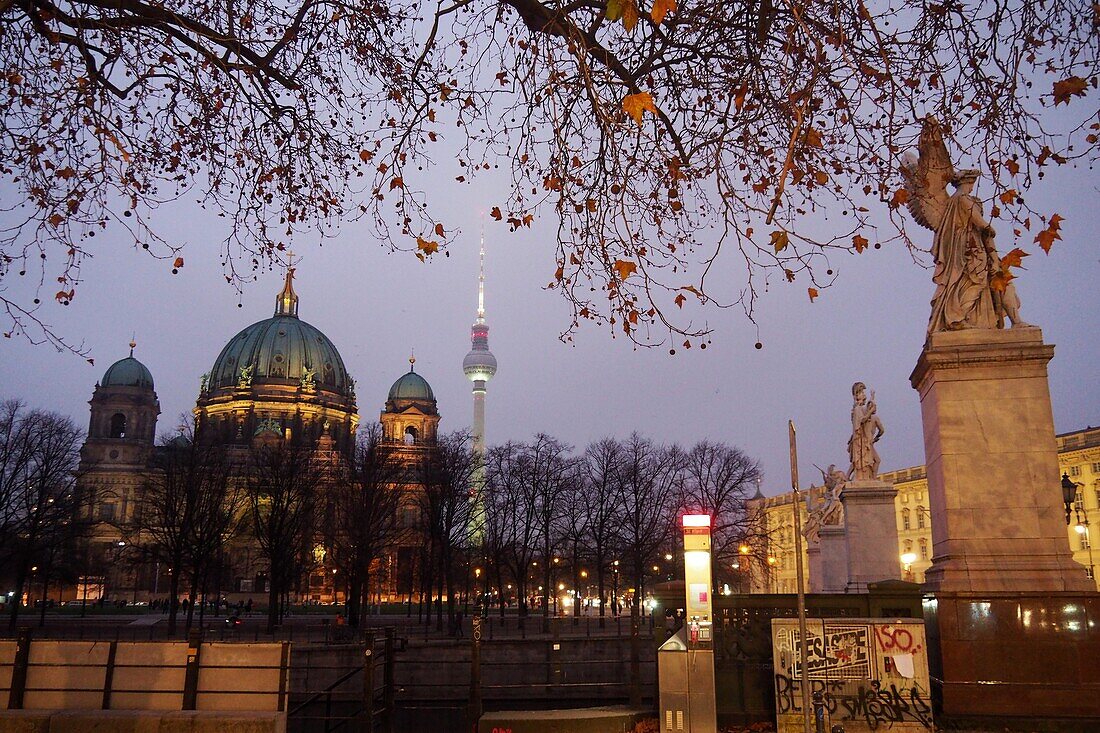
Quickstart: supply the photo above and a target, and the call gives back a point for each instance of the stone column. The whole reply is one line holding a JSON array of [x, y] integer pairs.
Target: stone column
[[813, 562], [834, 559], [871, 533], [998, 523]]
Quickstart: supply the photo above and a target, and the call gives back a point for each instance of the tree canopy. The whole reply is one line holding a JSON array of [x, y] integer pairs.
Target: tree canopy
[[689, 152]]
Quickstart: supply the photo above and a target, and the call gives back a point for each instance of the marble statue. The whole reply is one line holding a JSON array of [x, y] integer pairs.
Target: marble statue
[[972, 289], [867, 428], [830, 511]]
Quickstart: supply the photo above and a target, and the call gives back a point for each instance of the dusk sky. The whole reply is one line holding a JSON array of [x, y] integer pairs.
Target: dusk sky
[[376, 307]]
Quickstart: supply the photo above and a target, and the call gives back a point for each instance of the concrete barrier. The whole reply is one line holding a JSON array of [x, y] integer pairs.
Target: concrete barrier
[[140, 721], [615, 719]]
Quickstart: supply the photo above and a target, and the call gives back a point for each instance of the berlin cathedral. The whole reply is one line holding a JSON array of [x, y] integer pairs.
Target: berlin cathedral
[[278, 379]]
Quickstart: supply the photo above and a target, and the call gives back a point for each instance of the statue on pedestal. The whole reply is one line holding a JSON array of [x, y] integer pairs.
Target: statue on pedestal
[[973, 289], [830, 511], [867, 428]]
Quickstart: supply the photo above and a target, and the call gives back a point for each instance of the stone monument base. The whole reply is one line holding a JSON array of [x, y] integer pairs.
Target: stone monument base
[[871, 533], [834, 559], [996, 505], [1005, 658]]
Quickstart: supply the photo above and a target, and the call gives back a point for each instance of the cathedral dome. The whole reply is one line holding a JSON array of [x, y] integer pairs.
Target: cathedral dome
[[412, 386], [283, 350], [128, 372]]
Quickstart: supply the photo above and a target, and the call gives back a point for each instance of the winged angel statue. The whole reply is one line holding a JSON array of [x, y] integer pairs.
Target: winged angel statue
[[968, 292]]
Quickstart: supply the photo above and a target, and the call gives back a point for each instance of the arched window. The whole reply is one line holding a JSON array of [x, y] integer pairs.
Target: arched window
[[908, 546], [410, 435], [923, 549], [905, 518], [920, 517], [118, 425]]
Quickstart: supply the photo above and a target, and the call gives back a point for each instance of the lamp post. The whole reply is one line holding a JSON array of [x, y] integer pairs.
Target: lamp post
[[615, 589], [1069, 495]]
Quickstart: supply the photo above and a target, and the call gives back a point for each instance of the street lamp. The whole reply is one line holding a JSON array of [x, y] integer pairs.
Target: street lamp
[[1069, 494], [907, 559], [615, 589]]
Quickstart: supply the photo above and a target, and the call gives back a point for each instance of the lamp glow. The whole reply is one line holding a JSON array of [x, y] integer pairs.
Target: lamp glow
[[696, 520]]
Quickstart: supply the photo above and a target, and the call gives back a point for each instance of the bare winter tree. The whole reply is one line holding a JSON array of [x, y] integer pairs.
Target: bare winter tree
[[284, 485], [188, 510], [673, 142], [40, 509], [515, 514], [649, 490], [363, 508], [450, 495], [603, 474], [719, 480]]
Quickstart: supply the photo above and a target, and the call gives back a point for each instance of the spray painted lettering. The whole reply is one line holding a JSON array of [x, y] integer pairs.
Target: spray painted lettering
[[876, 704]]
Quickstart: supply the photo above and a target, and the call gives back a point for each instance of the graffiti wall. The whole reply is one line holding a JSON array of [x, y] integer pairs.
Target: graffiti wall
[[872, 674]]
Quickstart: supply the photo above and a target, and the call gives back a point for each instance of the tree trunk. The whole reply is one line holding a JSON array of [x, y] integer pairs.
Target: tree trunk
[[17, 598], [601, 583], [355, 600], [274, 598], [173, 601], [45, 592]]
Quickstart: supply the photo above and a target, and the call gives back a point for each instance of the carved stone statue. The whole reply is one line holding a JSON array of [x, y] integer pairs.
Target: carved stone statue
[[830, 511], [246, 376], [867, 428], [204, 383], [972, 290], [309, 380]]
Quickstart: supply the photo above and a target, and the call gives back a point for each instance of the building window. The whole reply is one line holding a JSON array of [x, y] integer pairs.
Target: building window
[[107, 512], [908, 546], [905, 518], [1096, 468], [410, 435], [923, 549], [920, 517], [1074, 470], [1088, 573], [118, 425], [1085, 544]]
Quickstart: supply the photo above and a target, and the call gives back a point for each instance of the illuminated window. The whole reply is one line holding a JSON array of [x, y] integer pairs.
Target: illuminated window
[[923, 549], [1085, 544], [1096, 468], [410, 435], [920, 517], [905, 518], [1074, 470]]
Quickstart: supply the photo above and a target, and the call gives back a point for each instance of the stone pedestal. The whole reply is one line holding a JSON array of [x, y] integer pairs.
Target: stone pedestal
[[834, 559], [998, 523], [871, 533], [813, 562]]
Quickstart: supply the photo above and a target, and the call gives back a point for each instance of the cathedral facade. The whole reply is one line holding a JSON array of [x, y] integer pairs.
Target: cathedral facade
[[278, 380]]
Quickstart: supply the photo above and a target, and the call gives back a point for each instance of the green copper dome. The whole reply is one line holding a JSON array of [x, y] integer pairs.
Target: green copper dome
[[128, 372], [412, 386], [282, 350]]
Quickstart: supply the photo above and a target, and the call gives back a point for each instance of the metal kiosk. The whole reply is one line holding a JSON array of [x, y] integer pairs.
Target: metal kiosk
[[685, 662]]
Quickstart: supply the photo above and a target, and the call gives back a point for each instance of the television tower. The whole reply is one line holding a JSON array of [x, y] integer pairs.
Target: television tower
[[480, 365]]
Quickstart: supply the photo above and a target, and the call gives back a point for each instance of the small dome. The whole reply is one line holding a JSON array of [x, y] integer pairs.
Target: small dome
[[412, 386], [128, 372]]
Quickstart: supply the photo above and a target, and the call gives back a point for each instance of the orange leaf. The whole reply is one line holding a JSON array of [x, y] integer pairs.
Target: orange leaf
[[397, 182], [779, 240], [813, 138], [630, 14], [178, 263], [495, 213], [1012, 166], [1013, 258], [1008, 196], [365, 155], [859, 242], [1046, 238], [900, 197], [55, 220], [636, 104], [661, 8], [999, 281], [439, 230], [812, 293], [679, 300], [426, 246], [1073, 86], [625, 268]]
